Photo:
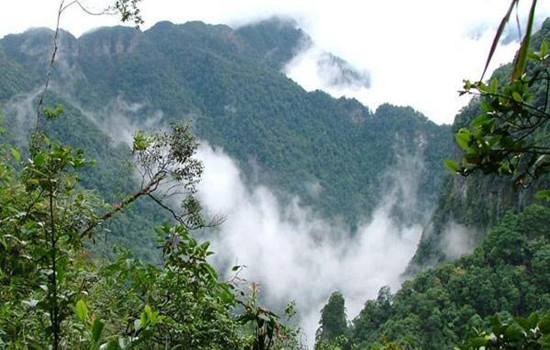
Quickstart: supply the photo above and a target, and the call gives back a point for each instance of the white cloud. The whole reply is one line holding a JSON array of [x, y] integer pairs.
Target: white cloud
[[457, 240], [417, 52], [295, 253]]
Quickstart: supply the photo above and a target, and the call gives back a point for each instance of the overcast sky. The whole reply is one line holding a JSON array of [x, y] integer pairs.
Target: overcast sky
[[415, 52]]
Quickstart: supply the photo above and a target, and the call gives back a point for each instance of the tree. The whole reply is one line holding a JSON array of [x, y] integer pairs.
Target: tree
[[530, 332], [511, 136], [333, 323], [55, 294]]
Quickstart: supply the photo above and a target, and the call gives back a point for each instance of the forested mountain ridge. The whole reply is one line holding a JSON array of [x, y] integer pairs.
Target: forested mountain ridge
[[228, 84]]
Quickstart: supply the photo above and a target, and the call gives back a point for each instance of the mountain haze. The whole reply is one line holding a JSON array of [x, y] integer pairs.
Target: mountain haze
[[229, 85]]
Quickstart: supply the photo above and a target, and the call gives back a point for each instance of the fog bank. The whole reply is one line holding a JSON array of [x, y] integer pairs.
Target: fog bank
[[293, 252]]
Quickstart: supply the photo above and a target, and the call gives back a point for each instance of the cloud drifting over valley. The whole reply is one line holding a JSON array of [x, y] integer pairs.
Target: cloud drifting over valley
[[416, 52], [293, 252]]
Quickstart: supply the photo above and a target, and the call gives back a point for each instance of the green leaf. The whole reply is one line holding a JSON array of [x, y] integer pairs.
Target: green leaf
[[452, 165], [463, 139], [471, 159], [480, 121], [496, 325], [15, 154], [81, 310], [477, 342], [500, 30], [39, 159], [113, 344], [97, 330], [494, 86], [543, 49], [517, 97], [521, 59]]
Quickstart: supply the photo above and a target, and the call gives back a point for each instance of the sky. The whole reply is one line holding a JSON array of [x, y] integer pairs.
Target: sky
[[415, 52]]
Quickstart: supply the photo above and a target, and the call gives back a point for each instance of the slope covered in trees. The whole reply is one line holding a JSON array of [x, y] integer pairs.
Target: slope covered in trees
[[508, 273], [227, 82]]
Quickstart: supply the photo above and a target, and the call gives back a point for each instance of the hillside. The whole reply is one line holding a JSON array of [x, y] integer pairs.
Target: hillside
[[508, 273], [228, 84]]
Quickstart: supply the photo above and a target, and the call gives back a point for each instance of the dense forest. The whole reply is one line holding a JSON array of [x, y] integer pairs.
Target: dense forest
[[95, 252]]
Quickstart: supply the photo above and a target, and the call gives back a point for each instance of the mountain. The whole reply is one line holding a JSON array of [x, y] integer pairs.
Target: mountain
[[228, 84]]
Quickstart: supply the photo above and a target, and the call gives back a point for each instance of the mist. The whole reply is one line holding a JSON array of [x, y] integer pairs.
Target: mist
[[457, 240], [295, 253], [434, 44]]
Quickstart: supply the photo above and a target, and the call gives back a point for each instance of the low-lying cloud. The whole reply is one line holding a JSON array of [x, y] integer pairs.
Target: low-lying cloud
[[293, 252], [457, 240], [314, 68]]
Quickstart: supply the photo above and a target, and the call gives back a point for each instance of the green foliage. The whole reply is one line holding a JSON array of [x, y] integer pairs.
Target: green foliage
[[515, 333], [129, 11], [333, 329], [45, 273], [510, 136], [508, 273], [225, 81], [56, 294], [268, 332]]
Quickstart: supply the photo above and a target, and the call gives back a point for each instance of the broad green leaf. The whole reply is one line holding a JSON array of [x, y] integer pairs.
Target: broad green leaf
[[463, 139], [452, 165], [39, 159], [97, 330], [477, 342], [500, 30], [543, 49], [513, 332], [81, 310], [113, 344], [494, 86], [15, 154], [521, 58], [480, 121], [496, 325], [517, 97]]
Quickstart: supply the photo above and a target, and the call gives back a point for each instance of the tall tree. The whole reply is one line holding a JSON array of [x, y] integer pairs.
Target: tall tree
[[333, 323]]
